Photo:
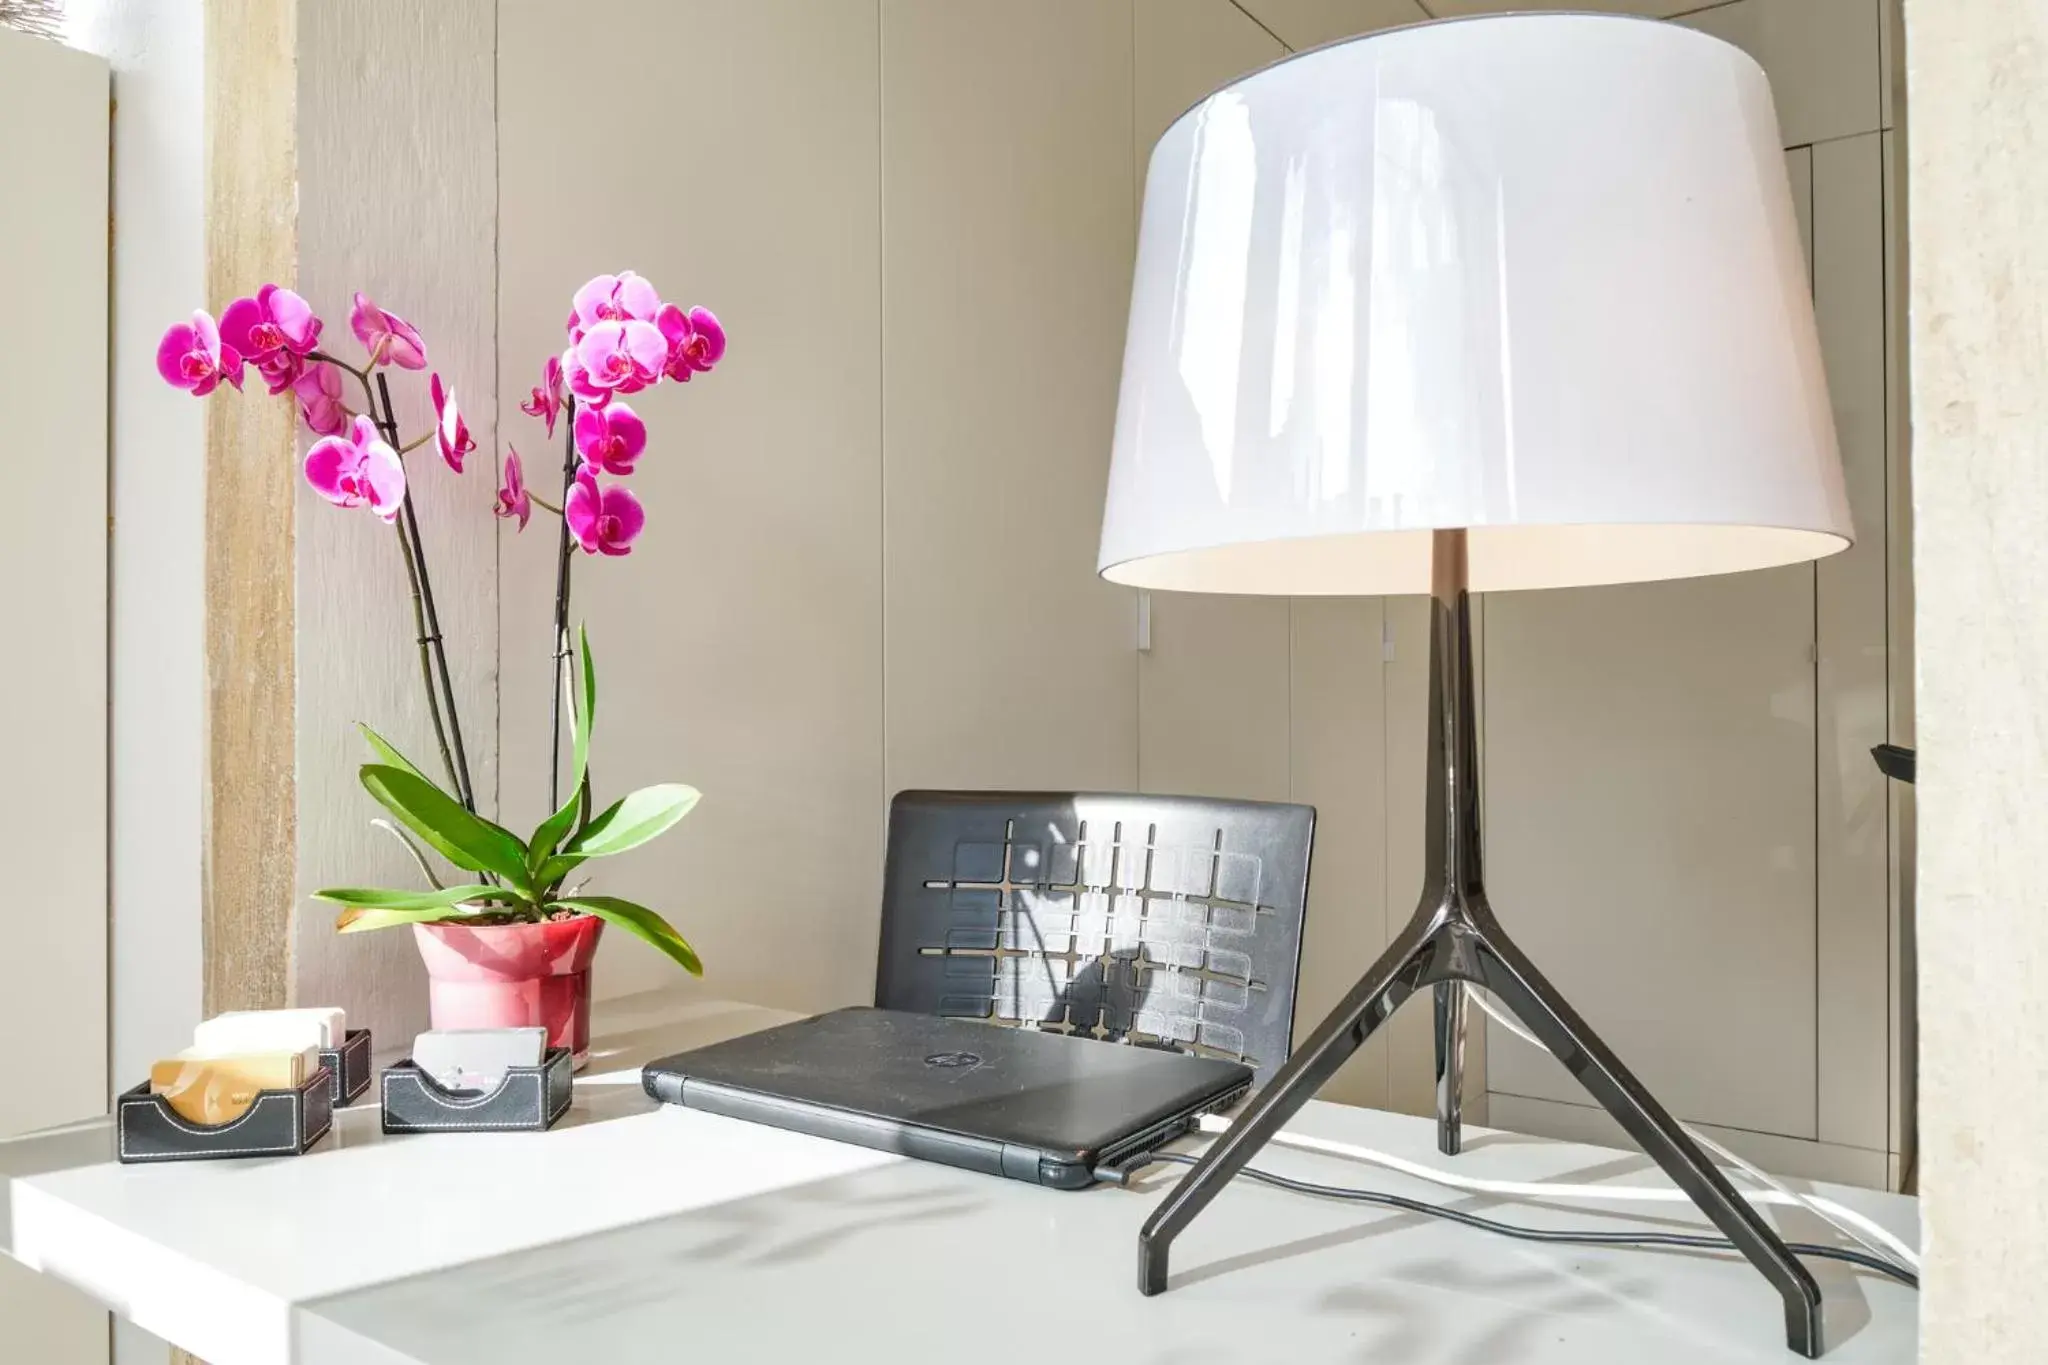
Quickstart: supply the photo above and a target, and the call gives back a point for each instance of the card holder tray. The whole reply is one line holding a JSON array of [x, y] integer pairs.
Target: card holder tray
[[529, 1099], [277, 1123], [349, 1067]]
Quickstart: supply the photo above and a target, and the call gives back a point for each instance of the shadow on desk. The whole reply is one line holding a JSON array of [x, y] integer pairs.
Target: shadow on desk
[[910, 1262], [635, 1293]]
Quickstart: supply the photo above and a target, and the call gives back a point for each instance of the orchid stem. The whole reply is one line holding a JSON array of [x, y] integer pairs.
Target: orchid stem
[[542, 502], [412, 575], [362, 375], [561, 614], [425, 617], [463, 790], [416, 442]]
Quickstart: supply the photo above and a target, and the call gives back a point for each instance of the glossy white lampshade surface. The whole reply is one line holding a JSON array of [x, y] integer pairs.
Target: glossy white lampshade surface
[[1538, 276]]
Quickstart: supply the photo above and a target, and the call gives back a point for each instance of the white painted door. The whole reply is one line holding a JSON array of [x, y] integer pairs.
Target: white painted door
[[53, 694]]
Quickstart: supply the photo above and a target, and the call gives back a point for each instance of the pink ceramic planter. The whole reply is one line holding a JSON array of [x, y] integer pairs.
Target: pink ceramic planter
[[513, 976]]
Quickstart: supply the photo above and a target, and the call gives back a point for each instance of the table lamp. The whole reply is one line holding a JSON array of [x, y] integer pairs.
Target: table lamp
[[1473, 306]]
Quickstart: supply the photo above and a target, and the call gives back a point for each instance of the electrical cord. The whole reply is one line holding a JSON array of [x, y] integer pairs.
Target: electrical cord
[[1530, 1189], [1844, 1220], [1121, 1174]]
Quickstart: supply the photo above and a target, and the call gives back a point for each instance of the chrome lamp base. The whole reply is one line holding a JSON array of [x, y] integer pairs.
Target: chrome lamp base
[[1454, 938]]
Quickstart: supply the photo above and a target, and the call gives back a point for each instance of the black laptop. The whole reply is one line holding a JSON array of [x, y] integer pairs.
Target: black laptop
[[1043, 1107]]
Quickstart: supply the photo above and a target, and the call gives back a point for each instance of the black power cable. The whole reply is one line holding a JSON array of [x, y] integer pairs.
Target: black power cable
[[1121, 1175]]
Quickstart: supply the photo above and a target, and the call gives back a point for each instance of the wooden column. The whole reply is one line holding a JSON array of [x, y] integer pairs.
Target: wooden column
[[251, 239]]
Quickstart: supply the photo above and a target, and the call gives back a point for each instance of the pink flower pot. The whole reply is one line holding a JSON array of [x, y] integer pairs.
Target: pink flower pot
[[513, 976]]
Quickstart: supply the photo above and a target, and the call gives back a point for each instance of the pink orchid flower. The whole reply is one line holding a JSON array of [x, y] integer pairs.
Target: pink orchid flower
[[613, 298], [358, 470], [620, 357], [603, 520], [280, 370], [577, 380], [513, 501], [695, 341], [318, 390], [387, 337], [192, 357], [546, 401], [610, 438], [451, 433], [276, 320]]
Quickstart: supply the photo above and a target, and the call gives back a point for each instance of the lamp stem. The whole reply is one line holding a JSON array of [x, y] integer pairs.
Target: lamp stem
[[1452, 823], [1454, 874]]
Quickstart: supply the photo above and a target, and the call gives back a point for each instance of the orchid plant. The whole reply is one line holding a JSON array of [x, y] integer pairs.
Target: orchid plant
[[622, 338]]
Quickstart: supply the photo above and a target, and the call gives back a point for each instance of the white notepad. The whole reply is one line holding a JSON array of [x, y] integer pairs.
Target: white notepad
[[270, 1031]]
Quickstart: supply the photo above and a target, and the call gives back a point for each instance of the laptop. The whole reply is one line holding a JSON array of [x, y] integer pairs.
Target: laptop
[[1043, 1107]]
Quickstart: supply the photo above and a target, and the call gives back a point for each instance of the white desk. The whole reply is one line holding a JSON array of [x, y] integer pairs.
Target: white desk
[[631, 1233]]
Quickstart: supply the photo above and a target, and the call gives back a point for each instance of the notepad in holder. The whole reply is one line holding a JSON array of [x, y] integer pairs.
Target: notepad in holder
[[529, 1099], [277, 1123], [349, 1066]]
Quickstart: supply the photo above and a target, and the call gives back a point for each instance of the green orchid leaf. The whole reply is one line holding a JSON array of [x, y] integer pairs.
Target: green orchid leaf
[[551, 872], [389, 756], [462, 838], [640, 922], [589, 679], [377, 908], [359, 919], [549, 836], [582, 710], [378, 898], [633, 819]]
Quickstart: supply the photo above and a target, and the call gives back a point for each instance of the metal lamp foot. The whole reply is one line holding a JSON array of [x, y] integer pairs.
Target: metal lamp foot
[[1455, 938], [1450, 1066]]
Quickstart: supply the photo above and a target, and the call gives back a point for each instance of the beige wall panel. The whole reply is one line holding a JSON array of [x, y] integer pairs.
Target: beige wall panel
[[158, 491], [1212, 689], [1891, 42], [415, 234], [1008, 193], [738, 646], [1850, 617], [1411, 1046], [53, 269], [1303, 24], [46, 1322], [1339, 767], [1784, 1156], [1213, 698], [1821, 55], [1650, 833]]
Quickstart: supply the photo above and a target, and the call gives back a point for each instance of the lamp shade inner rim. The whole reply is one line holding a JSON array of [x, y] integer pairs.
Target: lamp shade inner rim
[[1500, 559]]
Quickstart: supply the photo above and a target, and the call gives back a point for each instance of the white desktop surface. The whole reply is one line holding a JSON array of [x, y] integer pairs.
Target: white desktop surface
[[633, 1233]]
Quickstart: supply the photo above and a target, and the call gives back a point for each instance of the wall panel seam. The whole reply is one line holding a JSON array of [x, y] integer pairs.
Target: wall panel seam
[[1813, 293], [1885, 384], [882, 391], [1707, 1123], [497, 433]]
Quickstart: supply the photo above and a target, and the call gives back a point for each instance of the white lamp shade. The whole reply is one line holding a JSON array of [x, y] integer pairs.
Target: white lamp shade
[[1538, 276]]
